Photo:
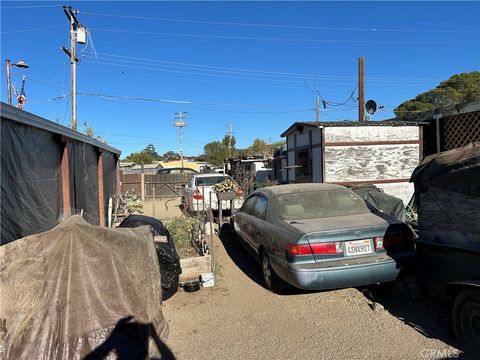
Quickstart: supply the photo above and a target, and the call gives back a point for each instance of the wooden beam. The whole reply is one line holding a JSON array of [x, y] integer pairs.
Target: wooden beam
[[101, 196], [368, 143], [65, 168]]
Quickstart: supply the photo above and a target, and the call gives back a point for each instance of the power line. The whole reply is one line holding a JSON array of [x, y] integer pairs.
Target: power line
[[398, 42], [267, 72], [34, 29], [250, 77], [29, 6], [186, 102], [301, 27]]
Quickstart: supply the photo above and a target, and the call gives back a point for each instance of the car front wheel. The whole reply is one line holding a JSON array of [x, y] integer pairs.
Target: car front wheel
[[466, 318]]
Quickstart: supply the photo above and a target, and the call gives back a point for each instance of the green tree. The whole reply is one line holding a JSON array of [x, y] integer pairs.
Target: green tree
[[227, 142], [150, 149], [141, 157], [215, 152], [88, 130], [170, 155], [460, 88]]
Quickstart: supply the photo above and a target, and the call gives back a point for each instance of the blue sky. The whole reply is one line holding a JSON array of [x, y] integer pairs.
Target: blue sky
[[249, 64]]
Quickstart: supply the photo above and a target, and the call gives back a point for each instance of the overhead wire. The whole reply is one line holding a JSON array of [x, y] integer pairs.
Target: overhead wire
[[232, 37], [136, 60], [300, 27], [33, 29], [29, 6]]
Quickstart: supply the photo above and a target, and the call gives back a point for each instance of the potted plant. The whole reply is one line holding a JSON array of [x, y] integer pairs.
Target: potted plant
[[226, 190]]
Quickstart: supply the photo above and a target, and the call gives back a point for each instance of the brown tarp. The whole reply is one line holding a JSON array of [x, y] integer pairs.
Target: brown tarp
[[447, 195], [81, 291]]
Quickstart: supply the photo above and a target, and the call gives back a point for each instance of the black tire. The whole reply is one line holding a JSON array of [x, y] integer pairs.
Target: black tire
[[171, 289], [466, 319], [270, 278]]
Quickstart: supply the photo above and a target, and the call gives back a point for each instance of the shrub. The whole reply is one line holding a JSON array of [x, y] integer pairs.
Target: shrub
[[185, 233]]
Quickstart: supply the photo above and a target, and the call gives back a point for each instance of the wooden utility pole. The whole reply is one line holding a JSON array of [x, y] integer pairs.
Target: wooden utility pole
[[73, 73], [9, 86], [361, 97], [74, 25], [317, 111]]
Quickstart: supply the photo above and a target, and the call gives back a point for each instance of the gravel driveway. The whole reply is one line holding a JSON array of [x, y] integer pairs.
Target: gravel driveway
[[240, 319]]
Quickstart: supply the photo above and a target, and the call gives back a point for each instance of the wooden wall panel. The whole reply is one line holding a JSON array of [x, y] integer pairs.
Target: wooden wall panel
[[303, 139], [371, 133], [374, 162]]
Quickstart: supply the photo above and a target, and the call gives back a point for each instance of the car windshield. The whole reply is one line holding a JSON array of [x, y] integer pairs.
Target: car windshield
[[320, 204], [210, 180]]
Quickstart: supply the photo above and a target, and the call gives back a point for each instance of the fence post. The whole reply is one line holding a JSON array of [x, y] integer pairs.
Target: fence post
[[142, 186], [153, 200]]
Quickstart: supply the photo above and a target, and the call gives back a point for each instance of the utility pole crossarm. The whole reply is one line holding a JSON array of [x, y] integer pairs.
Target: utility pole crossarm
[[180, 124]]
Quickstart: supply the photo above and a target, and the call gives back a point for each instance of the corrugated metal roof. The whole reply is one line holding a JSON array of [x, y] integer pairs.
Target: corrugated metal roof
[[26, 118]]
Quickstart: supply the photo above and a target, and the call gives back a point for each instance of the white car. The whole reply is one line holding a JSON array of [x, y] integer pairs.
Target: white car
[[197, 192]]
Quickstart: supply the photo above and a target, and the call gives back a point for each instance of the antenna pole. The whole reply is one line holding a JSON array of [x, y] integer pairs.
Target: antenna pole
[[361, 98]]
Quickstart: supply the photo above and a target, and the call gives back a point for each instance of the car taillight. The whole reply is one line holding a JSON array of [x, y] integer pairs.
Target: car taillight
[[327, 248], [378, 242], [294, 249], [197, 195], [394, 239]]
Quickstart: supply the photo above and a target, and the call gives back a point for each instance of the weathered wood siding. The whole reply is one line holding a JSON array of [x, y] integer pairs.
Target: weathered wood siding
[[371, 162], [303, 139], [371, 133], [387, 154], [317, 164], [291, 162]]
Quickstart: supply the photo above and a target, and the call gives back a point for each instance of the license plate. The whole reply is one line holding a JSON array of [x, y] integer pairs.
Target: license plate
[[358, 247]]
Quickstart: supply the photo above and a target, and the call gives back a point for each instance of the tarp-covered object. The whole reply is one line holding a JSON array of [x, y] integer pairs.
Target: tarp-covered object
[[447, 194], [81, 291], [386, 203], [31, 200]]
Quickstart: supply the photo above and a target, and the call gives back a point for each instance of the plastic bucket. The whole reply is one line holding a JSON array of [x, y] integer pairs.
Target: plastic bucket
[[207, 279]]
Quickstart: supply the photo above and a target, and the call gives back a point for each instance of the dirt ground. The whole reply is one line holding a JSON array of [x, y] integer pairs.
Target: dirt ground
[[240, 319], [162, 208]]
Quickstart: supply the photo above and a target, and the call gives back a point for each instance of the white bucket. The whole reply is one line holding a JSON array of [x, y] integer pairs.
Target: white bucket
[[207, 279]]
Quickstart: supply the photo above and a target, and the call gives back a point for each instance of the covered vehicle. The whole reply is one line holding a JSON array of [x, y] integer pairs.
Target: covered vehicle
[[196, 196], [80, 291], [384, 202], [168, 258], [447, 195], [321, 236]]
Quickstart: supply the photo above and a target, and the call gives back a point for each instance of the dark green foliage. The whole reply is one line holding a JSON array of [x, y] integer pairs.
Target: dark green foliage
[[460, 88]]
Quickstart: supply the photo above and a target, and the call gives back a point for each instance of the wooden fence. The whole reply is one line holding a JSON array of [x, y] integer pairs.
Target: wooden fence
[[165, 185]]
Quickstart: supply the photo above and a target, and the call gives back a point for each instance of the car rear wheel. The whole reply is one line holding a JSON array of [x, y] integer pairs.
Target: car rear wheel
[[270, 278], [466, 318]]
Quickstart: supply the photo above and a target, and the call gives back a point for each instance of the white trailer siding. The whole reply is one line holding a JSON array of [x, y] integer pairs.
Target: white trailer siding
[[371, 133], [370, 162], [381, 155]]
